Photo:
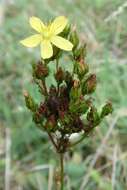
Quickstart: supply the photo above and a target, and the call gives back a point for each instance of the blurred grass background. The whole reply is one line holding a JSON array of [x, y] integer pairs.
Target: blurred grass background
[[26, 156]]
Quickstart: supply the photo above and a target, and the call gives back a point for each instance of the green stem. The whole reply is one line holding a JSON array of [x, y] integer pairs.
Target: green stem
[[45, 88], [61, 172], [57, 64], [52, 140]]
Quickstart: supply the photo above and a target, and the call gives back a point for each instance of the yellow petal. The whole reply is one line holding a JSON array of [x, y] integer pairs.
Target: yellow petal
[[62, 43], [31, 41], [36, 24], [46, 49], [59, 24]]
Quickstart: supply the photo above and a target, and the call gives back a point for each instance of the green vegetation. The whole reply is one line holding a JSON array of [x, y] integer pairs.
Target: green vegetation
[[98, 163]]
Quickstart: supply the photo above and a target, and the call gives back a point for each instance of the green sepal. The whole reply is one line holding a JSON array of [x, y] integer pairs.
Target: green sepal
[[107, 109]]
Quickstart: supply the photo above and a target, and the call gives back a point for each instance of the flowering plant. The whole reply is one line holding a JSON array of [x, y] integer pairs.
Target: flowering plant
[[67, 107]]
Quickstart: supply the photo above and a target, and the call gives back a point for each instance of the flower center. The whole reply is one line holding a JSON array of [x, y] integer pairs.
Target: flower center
[[46, 34]]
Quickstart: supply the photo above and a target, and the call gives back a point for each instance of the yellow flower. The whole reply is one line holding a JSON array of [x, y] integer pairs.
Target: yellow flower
[[48, 35]]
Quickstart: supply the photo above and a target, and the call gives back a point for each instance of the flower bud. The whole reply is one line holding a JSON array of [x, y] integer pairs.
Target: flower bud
[[76, 83], [59, 76], [74, 39], [75, 92], [80, 53], [37, 117], [40, 71], [93, 116], [41, 113], [30, 104], [42, 109], [107, 109], [89, 85], [51, 123], [81, 68]]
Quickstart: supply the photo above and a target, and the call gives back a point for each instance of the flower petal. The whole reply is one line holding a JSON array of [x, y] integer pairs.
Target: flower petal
[[46, 49], [31, 41], [59, 24], [62, 43], [36, 24]]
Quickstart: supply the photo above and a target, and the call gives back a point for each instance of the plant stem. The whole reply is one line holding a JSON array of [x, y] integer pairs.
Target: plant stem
[[61, 172], [45, 88], [57, 64], [52, 140]]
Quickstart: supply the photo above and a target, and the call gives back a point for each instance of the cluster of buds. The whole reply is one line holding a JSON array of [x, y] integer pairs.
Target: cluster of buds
[[67, 108]]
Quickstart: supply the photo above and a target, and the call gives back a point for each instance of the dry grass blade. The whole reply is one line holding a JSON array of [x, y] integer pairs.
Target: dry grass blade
[[39, 167], [117, 12], [50, 179], [114, 159]]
